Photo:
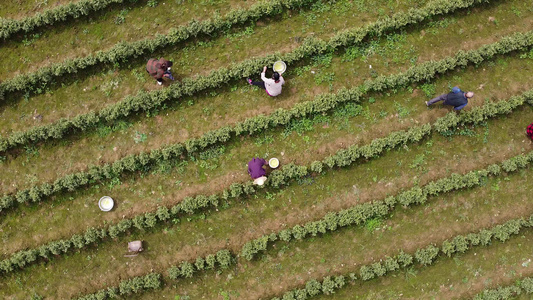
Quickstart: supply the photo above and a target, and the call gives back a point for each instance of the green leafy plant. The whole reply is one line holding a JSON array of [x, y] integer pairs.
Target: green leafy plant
[[139, 137], [60, 13]]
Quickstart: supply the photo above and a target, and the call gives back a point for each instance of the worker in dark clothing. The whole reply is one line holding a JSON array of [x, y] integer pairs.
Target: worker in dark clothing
[[255, 169], [457, 98], [159, 68], [529, 131]]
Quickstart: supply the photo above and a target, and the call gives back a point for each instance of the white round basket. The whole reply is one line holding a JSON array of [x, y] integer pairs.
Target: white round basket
[[273, 162], [279, 67], [106, 203]]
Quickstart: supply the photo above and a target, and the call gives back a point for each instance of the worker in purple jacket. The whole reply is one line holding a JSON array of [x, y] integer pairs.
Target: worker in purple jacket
[[457, 98], [255, 169]]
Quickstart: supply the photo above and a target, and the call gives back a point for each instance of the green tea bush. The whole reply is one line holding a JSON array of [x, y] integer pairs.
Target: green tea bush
[[126, 287], [527, 285], [61, 13], [427, 255], [501, 293], [223, 259]]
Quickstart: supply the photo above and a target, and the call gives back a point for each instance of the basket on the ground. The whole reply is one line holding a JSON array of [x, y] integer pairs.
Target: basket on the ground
[[106, 203]]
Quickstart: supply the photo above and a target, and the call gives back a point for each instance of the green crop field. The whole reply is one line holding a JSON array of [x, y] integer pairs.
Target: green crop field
[[377, 196]]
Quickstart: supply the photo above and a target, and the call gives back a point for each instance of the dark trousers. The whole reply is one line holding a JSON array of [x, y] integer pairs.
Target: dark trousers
[[260, 84], [442, 97]]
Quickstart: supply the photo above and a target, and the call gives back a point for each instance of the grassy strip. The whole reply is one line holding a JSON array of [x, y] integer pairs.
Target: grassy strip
[[423, 256], [145, 101], [508, 292], [322, 103], [278, 178], [128, 287], [124, 51], [358, 215], [61, 13]]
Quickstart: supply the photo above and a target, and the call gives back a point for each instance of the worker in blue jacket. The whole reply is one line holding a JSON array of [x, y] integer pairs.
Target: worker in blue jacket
[[457, 98]]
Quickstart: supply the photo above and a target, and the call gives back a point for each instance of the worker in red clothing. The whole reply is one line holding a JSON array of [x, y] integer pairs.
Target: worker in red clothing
[[159, 68], [529, 131], [255, 169]]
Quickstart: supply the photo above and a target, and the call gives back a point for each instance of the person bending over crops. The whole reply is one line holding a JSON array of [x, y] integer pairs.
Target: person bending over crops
[[457, 98], [529, 131], [159, 69], [272, 86], [255, 169]]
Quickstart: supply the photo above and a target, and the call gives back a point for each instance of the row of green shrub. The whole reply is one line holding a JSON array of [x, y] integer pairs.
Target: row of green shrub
[[127, 287], [277, 178], [508, 292], [123, 51], [364, 212], [145, 101], [423, 256], [322, 103], [61, 13], [223, 259]]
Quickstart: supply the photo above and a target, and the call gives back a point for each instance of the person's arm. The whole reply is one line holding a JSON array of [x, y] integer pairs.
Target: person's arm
[[263, 161], [456, 90], [263, 77], [282, 80], [460, 106]]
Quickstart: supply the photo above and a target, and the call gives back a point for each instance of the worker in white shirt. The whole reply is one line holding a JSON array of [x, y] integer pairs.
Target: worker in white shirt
[[271, 86]]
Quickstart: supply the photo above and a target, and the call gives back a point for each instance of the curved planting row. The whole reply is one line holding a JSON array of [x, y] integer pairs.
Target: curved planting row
[[124, 51], [360, 214], [61, 13], [145, 101], [322, 103], [508, 292], [278, 178], [423, 256]]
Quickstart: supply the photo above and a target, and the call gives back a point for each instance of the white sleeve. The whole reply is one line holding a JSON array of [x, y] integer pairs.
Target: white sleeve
[[282, 80], [263, 77]]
